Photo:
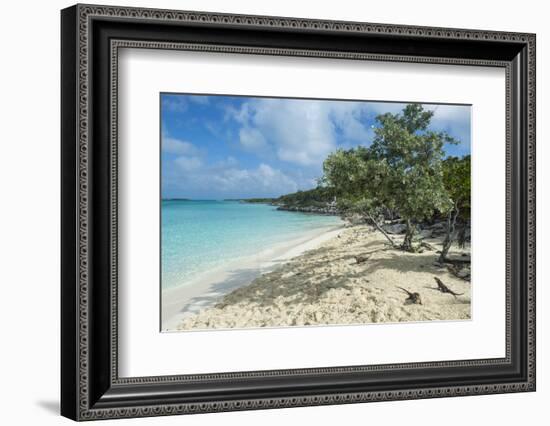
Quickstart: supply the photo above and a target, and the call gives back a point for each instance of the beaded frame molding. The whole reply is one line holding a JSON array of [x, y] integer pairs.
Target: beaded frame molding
[[91, 39]]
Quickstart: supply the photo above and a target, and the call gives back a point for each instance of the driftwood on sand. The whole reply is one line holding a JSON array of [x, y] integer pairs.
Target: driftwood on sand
[[461, 271], [427, 246]]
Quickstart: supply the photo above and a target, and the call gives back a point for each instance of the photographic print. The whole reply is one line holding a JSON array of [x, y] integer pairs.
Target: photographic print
[[280, 212], [300, 192]]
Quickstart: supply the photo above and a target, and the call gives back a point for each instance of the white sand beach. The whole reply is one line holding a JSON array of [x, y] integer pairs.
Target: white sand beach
[[209, 288], [318, 281]]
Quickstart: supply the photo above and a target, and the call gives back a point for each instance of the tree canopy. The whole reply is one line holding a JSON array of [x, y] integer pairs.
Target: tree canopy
[[456, 178], [402, 170]]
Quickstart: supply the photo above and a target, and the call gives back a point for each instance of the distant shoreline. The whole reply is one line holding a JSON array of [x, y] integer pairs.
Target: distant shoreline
[[317, 208], [318, 200]]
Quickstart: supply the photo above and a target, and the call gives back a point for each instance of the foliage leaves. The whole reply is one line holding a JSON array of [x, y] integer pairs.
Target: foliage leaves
[[456, 178], [403, 170]]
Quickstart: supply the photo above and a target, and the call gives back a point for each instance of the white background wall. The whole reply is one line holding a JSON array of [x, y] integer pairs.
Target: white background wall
[[29, 211]]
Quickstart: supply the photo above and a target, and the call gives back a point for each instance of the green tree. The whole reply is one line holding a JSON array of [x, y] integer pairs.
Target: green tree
[[456, 178], [357, 177], [414, 183], [401, 170]]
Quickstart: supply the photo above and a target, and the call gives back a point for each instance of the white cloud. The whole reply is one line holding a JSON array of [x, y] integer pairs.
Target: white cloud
[[241, 115], [177, 146], [224, 164], [449, 114], [262, 180], [199, 99], [251, 139], [453, 119], [174, 104], [299, 133], [226, 179], [188, 164], [349, 118], [302, 132]]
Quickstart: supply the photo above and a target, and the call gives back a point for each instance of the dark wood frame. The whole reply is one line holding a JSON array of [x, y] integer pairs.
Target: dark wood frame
[[91, 37]]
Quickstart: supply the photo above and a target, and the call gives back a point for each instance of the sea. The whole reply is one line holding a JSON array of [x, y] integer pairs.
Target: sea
[[197, 236]]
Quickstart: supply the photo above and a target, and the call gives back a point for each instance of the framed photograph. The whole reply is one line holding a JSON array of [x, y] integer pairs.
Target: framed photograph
[[263, 212]]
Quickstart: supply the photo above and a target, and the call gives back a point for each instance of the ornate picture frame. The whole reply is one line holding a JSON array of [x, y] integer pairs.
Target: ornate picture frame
[[91, 37]]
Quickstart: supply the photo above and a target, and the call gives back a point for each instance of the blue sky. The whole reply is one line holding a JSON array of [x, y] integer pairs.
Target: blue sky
[[216, 147]]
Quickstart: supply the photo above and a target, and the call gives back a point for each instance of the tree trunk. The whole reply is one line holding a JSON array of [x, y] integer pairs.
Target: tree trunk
[[379, 228], [449, 237], [407, 242], [462, 235]]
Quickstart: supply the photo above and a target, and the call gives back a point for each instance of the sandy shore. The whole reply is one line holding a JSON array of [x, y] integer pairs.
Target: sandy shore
[[209, 288], [325, 285]]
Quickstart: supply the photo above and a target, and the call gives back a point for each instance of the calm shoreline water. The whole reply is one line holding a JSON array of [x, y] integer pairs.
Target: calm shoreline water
[[201, 235]]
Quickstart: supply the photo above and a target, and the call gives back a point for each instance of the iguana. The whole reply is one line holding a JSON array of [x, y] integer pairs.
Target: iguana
[[361, 259], [413, 297], [444, 289]]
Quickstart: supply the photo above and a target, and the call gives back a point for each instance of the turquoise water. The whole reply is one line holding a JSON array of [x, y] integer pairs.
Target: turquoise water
[[201, 235]]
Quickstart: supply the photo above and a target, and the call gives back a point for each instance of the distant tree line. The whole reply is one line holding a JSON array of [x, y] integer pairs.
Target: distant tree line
[[319, 196]]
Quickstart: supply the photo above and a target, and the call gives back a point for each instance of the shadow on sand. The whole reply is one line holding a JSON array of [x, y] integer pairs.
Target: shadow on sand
[[309, 280]]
